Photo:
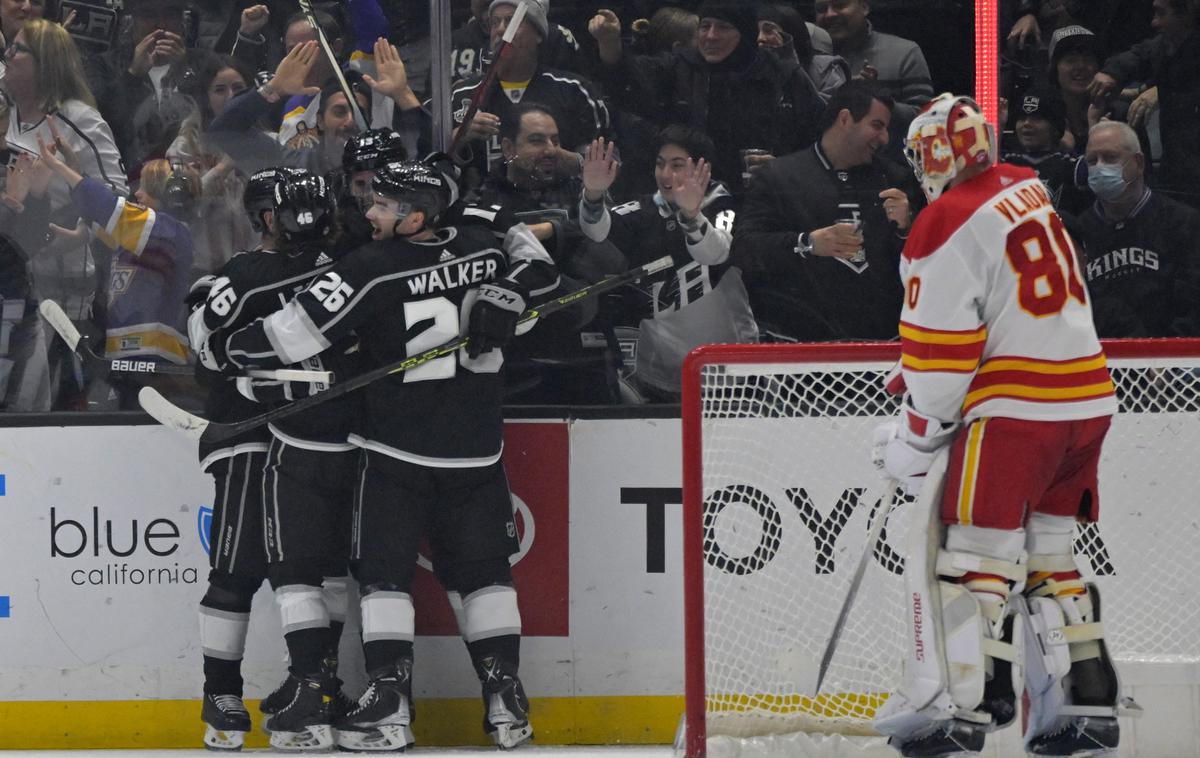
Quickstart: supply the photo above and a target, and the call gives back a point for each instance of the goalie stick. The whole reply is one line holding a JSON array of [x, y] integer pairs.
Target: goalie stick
[[872, 538], [481, 93], [359, 120], [81, 345], [195, 427]]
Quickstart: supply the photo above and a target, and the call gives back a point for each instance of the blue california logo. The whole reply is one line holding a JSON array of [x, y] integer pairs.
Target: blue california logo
[[204, 525]]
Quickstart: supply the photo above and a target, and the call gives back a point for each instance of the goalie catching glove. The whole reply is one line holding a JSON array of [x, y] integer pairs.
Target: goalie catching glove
[[493, 320], [904, 449]]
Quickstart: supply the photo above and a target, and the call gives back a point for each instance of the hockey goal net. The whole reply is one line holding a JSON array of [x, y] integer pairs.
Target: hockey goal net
[[779, 495]]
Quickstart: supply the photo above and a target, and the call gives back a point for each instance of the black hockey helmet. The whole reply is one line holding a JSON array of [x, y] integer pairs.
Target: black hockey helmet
[[417, 184], [369, 150], [304, 207], [259, 194]]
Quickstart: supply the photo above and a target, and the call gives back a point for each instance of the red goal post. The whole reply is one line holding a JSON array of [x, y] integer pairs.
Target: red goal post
[[779, 493]]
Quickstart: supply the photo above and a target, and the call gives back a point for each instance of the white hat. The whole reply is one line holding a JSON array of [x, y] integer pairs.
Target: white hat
[[535, 13]]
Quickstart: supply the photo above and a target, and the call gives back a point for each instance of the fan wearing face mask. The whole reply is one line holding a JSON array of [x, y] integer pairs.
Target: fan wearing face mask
[[1142, 248]]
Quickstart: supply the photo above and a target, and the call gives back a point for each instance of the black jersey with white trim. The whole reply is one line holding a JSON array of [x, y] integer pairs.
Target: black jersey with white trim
[[250, 286], [579, 109], [649, 227], [402, 298]]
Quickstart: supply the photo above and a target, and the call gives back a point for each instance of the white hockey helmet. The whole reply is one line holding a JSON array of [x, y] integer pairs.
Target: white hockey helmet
[[948, 135]]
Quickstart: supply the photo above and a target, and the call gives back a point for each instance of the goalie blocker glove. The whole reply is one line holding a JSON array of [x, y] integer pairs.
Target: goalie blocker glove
[[493, 320], [904, 449]]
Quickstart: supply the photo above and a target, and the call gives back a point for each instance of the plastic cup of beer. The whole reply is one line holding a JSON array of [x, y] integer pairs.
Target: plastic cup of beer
[[861, 255], [750, 152]]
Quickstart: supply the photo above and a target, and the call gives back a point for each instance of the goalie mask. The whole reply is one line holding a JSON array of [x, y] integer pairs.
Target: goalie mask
[[945, 138], [409, 187]]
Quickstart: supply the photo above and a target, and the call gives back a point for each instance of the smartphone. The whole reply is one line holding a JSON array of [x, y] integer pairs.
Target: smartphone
[[191, 27]]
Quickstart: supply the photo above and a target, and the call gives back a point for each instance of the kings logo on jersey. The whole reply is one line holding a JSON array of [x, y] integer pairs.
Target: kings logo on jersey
[[204, 526]]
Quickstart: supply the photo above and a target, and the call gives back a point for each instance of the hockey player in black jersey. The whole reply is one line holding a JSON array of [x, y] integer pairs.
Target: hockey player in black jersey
[[237, 559], [309, 467], [431, 436], [363, 154]]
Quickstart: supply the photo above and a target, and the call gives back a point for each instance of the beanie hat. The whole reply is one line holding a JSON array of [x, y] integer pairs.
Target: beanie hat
[[1045, 103], [1070, 38], [535, 13], [739, 14]]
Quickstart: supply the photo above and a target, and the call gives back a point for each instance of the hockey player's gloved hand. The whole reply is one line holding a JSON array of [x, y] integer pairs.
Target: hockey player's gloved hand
[[213, 357], [905, 449], [493, 320], [276, 391]]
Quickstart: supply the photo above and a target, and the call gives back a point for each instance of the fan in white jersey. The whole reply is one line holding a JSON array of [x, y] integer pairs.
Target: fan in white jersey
[[1002, 368]]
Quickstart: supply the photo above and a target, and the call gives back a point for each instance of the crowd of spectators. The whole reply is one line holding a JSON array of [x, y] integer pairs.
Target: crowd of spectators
[[759, 143]]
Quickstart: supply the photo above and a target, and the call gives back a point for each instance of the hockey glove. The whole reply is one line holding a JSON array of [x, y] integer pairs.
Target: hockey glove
[[493, 320], [904, 449], [213, 357]]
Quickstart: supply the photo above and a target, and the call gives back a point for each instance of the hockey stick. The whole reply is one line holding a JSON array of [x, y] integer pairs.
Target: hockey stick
[[100, 365], [481, 93], [193, 426], [872, 537], [359, 120]]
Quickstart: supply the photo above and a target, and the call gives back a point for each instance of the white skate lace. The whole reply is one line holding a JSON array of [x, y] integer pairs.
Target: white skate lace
[[229, 703], [365, 702]]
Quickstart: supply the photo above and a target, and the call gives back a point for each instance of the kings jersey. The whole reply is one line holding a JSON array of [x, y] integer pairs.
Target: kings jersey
[[403, 298]]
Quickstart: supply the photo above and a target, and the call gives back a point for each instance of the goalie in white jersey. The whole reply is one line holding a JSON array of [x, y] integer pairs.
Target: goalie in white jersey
[[1001, 364]]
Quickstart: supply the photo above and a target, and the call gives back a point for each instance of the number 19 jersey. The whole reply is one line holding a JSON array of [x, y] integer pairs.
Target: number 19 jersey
[[996, 319]]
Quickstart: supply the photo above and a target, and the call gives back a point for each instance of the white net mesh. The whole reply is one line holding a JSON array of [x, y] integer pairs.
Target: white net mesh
[[789, 495]]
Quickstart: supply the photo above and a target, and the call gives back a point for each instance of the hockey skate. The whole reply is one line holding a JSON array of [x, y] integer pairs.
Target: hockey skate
[[1079, 737], [226, 722], [507, 719], [279, 697], [380, 720], [949, 738], [302, 724]]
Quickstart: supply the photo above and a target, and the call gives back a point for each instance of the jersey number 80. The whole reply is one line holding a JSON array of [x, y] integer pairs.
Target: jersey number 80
[[1038, 256]]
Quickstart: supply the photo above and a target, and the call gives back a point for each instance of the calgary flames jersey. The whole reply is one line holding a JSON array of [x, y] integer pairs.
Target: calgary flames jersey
[[996, 318]]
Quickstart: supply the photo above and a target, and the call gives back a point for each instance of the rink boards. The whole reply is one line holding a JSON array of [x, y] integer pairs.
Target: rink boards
[[103, 561]]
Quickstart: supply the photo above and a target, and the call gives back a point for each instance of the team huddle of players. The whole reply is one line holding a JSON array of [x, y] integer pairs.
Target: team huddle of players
[[1001, 367], [352, 485]]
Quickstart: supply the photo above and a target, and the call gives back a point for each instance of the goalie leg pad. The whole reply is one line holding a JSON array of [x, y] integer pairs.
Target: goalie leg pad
[[968, 675], [1073, 686]]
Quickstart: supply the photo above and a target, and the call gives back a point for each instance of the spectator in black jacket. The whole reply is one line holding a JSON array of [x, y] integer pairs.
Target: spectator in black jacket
[[744, 98], [1171, 63], [134, 84], [523, 76], [1039, 120], [471, 43], [810, 273], [1142, 249]]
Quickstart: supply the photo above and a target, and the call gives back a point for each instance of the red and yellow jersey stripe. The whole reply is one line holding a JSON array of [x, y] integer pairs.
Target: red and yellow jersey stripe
[[1040, 381], [957, 352]]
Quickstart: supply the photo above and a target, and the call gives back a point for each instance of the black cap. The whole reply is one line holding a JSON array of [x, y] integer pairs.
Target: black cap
[[1070, 39], [740, 14], [1043, 102], [333, 87]]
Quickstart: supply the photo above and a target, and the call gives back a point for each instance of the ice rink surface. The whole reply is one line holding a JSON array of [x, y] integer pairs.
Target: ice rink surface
[[529, 751]]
